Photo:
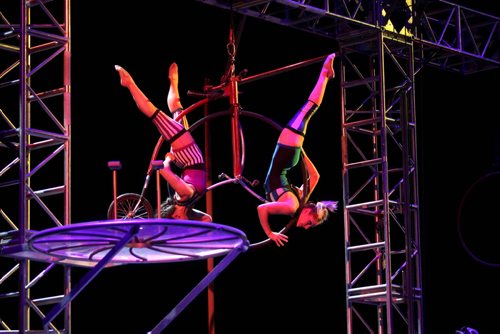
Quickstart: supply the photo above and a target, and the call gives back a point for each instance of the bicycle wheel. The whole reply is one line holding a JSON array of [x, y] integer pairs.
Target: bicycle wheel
[[131, 206], [245, 115]]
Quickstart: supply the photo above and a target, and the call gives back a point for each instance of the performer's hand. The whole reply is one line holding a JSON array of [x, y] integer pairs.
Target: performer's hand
[[301, 191], [278, 238], [169, 157]]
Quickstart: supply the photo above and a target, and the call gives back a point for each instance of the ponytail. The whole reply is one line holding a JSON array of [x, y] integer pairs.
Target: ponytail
[[323, 209]]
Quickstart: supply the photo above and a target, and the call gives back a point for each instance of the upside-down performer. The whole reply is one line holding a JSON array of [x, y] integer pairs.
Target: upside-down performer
[[283, 197], [184, 153]]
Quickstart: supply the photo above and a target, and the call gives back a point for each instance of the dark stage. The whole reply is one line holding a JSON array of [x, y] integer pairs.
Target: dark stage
[[299, 288]]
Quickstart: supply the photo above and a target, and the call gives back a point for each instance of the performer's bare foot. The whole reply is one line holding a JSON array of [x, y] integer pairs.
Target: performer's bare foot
[[125, 78], [328, 66], [173, 98], [173, 74]]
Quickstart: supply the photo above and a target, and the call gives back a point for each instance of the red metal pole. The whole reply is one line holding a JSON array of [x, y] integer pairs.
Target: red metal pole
[[209, 208]]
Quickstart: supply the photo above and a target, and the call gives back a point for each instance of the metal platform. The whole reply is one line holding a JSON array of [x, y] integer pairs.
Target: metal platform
[[101, 244]]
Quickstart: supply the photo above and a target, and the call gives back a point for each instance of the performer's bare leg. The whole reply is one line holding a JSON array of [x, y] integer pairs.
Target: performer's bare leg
[[327, 73], [139, 97]]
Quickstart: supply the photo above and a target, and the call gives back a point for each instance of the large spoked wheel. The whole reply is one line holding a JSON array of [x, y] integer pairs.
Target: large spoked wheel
[[130, 206]]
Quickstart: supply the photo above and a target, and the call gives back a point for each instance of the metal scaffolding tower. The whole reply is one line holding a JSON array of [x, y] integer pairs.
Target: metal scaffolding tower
[[383, 45], [35, 172]]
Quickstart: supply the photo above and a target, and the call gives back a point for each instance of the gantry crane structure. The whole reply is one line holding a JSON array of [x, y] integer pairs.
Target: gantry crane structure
[[383, 46]]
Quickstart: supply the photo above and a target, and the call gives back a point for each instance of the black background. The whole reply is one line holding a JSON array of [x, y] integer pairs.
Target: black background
[[299, 287]]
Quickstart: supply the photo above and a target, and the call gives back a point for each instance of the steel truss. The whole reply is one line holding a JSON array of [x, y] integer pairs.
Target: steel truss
[[451, 37], [380, 41], [383, 44], [381, 210], [35, 160]]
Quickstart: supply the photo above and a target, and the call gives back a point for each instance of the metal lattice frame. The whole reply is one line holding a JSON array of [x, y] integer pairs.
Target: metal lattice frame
[[35, 159], [452, 37], [381, 44], [381, 210], [35, 134]]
